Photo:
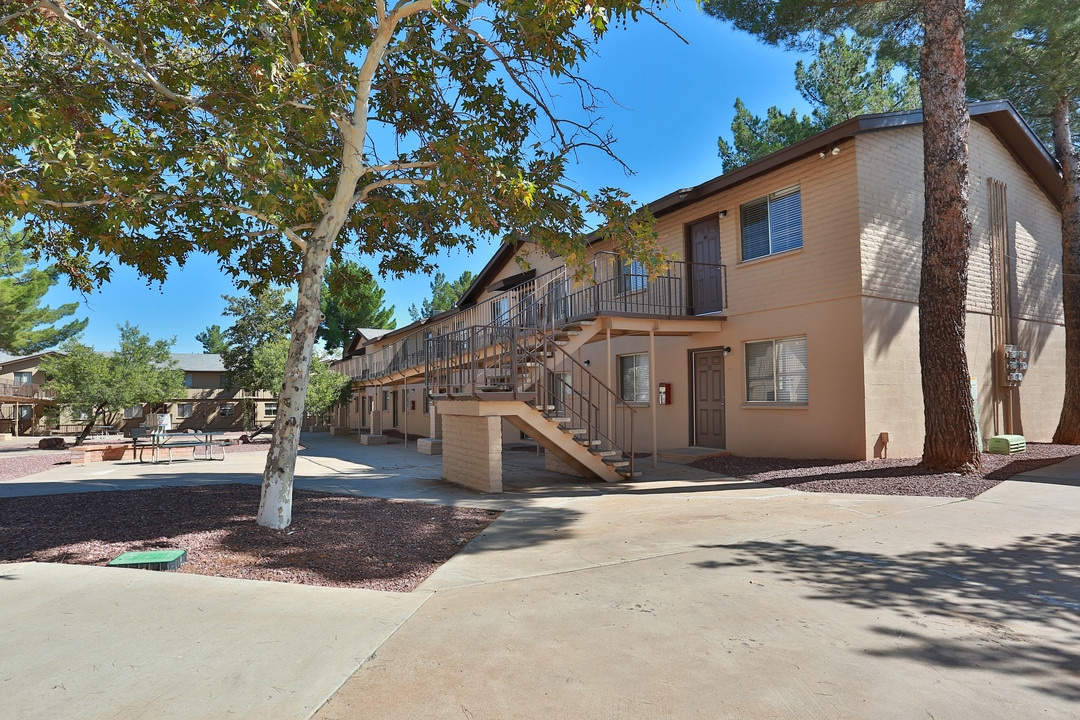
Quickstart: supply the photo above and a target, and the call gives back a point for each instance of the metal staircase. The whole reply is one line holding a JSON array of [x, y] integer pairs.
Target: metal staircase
[[553, 398], [517, 347]]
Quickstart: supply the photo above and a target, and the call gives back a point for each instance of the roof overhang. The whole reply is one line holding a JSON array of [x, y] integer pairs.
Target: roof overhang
[[1000, 116]]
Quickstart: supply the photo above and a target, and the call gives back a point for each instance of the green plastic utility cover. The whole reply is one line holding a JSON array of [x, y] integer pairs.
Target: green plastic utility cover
[[1006, 444], [151, 559]]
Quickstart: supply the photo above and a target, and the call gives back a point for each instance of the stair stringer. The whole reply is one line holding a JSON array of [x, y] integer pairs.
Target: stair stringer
[[554, 440], [587, 332]]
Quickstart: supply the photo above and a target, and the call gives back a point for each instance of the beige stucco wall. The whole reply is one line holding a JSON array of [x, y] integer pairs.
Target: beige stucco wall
[[812, 291], [410, 418], [825, 268], [830, 425], [30, 365]]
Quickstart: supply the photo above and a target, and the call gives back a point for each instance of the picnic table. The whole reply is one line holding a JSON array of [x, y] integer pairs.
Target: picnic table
[[161, 442]]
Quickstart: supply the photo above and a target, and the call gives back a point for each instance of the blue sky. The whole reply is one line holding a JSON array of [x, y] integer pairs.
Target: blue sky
[[674, 100]]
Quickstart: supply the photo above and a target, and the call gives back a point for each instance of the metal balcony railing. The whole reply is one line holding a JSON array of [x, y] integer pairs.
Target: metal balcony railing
[[518, 362], [609, 285]]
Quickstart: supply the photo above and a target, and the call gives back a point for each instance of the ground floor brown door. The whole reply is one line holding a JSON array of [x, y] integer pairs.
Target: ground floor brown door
[[708, 383]]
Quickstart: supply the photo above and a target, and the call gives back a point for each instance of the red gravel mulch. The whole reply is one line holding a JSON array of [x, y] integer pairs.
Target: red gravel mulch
[[900, 476], [334, 540]]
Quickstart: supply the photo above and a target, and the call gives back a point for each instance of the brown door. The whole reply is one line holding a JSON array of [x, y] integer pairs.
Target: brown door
[[707, 284], [709, 428]]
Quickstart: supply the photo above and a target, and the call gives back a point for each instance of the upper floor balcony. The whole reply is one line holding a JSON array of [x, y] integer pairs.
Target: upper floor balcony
[[609, 286], [10, 391]]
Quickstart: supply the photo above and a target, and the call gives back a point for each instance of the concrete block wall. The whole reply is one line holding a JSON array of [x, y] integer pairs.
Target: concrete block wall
[[890, 169], [553, 463], [825, 268], [890, 166], [891, 207], [472, 451]]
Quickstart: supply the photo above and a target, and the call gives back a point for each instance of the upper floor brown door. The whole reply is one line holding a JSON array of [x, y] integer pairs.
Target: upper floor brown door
[[707, 291]]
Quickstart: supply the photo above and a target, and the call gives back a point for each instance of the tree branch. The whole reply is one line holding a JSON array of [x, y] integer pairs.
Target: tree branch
[[419, 165], [123, 56], [385, 182], [78, 204], [290, 233], [20, 13]]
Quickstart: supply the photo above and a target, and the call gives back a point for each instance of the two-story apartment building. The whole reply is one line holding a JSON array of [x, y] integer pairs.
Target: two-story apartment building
[[786, 326], [209, 403], [23, 399]]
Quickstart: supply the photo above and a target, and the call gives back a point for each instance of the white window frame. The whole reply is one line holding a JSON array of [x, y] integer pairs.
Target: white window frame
[[24, 378], [634, 394], [782, 236], [781, 362], [227, 410], [270, 409]]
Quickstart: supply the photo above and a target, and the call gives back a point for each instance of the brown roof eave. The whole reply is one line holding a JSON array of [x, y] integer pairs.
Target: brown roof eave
[[686, 196], [999, 115]]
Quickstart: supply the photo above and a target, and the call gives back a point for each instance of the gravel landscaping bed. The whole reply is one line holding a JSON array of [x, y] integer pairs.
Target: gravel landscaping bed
[[334, 540], [900, 476]]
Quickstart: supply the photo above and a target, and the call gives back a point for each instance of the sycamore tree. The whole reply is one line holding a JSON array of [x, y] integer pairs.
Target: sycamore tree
[[273, 133], [100, 384], [27, 326], [1029, 52], [351, 299], [936, 28], [444, 295], [845, 80]]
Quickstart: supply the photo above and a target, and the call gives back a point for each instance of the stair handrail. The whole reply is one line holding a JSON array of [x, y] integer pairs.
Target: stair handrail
[[408, 352], [465, 362], [597, 429]]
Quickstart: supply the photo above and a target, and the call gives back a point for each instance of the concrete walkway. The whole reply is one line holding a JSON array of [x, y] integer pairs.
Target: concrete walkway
[[682, 595]]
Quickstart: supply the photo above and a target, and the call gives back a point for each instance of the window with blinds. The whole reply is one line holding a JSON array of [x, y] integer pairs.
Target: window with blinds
[[772, 224], [632, 276], [634, 377], [776, 371]]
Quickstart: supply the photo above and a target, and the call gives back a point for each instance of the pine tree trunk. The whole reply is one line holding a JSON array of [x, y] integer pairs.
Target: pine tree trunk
[[951, 441], [1068, 429]]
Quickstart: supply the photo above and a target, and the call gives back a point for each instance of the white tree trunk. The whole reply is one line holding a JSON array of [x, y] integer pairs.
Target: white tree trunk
[[275, 505]]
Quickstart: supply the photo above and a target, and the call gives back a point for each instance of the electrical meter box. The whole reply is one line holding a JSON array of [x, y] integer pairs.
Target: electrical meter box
[[1014, 365], [1006, 444]]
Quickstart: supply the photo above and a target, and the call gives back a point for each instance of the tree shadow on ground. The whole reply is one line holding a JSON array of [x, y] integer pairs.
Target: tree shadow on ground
[[979, 592]]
